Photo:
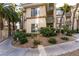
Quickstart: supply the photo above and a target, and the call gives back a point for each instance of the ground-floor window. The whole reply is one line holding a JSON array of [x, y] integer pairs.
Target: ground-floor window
[[34, 28]]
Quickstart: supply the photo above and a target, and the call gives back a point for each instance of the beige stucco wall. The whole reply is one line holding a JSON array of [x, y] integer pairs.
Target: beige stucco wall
[[42, 11], [28, 12], [41, 23]]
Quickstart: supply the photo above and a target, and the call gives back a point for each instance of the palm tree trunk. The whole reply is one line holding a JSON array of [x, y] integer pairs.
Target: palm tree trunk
[[1, 23], [60, 25], [1, 27], [13, 26], [65, 19], [77, 24], [9, 28]]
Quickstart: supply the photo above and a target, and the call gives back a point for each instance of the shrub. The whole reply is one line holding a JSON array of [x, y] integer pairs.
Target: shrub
[[57, 30], [66, 30], [23, 30], [21, 36], [28, 34], [63, 31], [23, 40], [36, 42], [52, 40], [69, 33], [77, 30], [65, 38], [16, 34], [34, 34], [47, 31]]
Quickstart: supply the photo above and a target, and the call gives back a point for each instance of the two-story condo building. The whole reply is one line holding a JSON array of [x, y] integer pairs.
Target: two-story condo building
[[37, 15]]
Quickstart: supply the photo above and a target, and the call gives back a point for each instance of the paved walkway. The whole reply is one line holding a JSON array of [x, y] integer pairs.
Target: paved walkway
[[42, 50], [62, 48], [6, 49]]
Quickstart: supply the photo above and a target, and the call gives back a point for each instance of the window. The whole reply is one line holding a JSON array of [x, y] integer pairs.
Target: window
[[34, 27], [35, 12]]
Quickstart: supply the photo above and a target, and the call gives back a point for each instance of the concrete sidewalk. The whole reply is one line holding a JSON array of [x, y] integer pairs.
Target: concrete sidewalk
[[6, 49], [62, 48]]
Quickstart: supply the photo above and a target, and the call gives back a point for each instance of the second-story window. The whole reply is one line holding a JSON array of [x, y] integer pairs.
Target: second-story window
[[35, 12]]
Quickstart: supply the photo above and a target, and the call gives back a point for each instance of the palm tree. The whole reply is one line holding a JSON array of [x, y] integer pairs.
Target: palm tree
[[9, 13], [1, 18], [65, 9], [12, 17], [15, 19], [1, 15], [8, 17], [73, 17], [78, 22]]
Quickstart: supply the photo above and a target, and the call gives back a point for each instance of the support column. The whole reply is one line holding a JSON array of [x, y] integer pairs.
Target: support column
[[71, 17], [54, 15]]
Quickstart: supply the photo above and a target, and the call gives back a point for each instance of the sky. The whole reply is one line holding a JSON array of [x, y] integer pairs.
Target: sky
[[58, 4], [61, 4], [70, 2]]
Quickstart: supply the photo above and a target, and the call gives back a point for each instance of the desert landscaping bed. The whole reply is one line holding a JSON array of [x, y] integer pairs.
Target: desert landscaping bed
[[43, 41], [46, 36]]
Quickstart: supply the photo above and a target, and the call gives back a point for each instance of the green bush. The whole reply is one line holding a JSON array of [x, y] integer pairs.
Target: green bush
[[23, 40], [36, 42], [76, 31], [28, 34], [57, 30], [63, 31], [52, 40], [47, 31], [66, 30], [23, 30], [69, 34], [65, 38], [16, 34], [21, 36]]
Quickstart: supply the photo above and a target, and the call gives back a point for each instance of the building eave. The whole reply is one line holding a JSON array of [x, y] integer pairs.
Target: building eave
[[28, 5]]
